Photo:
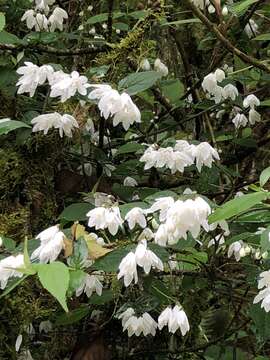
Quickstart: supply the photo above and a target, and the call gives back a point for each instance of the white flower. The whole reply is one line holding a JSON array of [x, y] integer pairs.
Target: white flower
[[92, 31], [160, 67], [162, 204], [240, 120], [65, 123], [30, 18], [223, 225], [175, 318], [264, 279], [264, 296], [66, 85], [8, 268], [128, 114], [44, 5], [126, 315], [205, 154], [146, 258], [18, 342], [99, 91], [128, 269], [25, 355], [146, 234], [230, 91], [144, 324], [102, 218], [110, 102], [251, 28], [225, 11], [51, 244], [209, 83], [130, 181], [36, 20], [135, 216], [32, 76], [145, 65], [211, 9], [219, 240], [90, 284], [251, 101], [253, 116], [57, 18], [45, 326], [238, 249]]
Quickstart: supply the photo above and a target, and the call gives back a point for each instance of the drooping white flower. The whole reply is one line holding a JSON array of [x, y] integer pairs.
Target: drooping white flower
[[32, 76], [230, 91], [160, 67], [264, 296], [8, 268], [51, 244], [251, 28], [90, 284], [162, 204], [145, 65], [144, 324], [103, 218], [130, 181], [225, 11], [57, 18], [25, 355], [238, 249], [135, 216], [264, 279], [30, 17], [110, 102], [65, 123], [240, 120], [128, 114], [44, 5], [67, 85], [18, 342], [175, 318], [147, 259], [45, 326], [223, 225], [251, 101], [128, 269], [253, 116], [37, 20], [205, 154]]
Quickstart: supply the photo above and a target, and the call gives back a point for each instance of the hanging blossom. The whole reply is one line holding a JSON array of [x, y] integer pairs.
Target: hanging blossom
[[51, 244], [32, 76], [175, 318], [251, 28], [144, 324], [180, 156], [251, 101], [264, 294], [120, 106], [90, 284], [65, 123], [160, 67], [130, 181], [38, 19], [202, 4], [216, 92], [136, 216], [45, 326], [145, 65], [8, 269], [105, 217], [238, 118], [142, 257], [238, 249], [180, 218]]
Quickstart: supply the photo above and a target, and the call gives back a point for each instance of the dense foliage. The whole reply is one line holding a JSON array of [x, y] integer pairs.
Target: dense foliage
[[134, 213]]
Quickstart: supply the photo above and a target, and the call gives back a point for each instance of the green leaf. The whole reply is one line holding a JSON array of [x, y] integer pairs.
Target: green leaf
[[75, 279], [110, 262], [12, 285], [8, 243], [125, 208], [265, 103], [262, 37], [72, 316], [140, 14], [264, 177], [76, 212], [7, 38], [265, 241], [261, 320], [182, 22], [241, 7], [106, 296], [10, 125], [80, 253], [103, 18], [138, 82], [238, 205], [128, 148], [54, 277], [2, 21]]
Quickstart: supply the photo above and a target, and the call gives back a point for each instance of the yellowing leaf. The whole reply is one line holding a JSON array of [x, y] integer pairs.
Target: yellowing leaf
[[68, 247]]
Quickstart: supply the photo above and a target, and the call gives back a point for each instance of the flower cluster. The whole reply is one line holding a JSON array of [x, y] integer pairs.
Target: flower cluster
[[238, 249], [120, 106], [215, 91], [65, 123], [264, 295], [105, 217], [38, 18], [180, 217], [202, 4], [180, 156], [51, 244], [8, 268], [175, 319], [90, 284], [142, 257]]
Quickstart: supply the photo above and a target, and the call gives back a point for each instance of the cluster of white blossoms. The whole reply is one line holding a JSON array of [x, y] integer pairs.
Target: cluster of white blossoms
[[40, 20], [51, 244], [211, 85], [65, 123], [90, 284], [238, 249], [9, 267], [105, 218], [180, 217], [202, 4], [159, 66], [64, 85], [119, 106], [251, 28], [175, 319], [239, 118], [264, 294], [180, 156], [142, 257]]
